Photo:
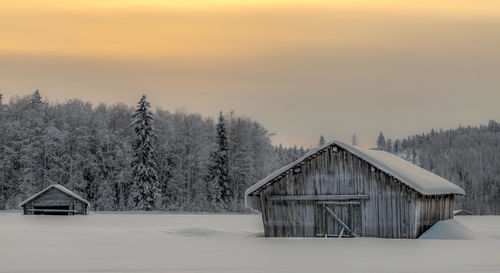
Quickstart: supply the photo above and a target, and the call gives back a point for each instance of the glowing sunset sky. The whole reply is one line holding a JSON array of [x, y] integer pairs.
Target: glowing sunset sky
[[302, 68]]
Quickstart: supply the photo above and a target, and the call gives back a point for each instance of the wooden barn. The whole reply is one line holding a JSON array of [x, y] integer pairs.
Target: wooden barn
[[339, 190], [56, 200]]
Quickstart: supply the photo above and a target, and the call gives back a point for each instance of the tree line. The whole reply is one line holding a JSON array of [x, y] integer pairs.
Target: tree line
[[467, 156], [126, 158]]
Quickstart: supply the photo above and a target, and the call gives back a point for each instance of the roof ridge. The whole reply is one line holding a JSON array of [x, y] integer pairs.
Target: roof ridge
[[421, 180], [59, 187]]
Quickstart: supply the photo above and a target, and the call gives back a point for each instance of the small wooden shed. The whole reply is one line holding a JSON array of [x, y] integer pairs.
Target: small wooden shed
[[55, 200], [339, 190]]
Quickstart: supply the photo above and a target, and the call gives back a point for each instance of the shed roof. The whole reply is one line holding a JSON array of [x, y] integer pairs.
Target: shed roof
[[58, 187], [462, 212], [421, 180]]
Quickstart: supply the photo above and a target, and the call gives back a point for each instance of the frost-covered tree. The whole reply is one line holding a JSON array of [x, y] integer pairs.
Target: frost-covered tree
[[3, 180], [34, 153], [185, 143], [218, 172], [145, 186], [285, 155], [354, 140], [388, 145], [36, 98], [243, 140], [381, 142], [321, 141], [397, 146]]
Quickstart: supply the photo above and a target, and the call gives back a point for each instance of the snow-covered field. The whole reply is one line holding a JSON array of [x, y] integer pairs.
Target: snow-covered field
[[231, 243]]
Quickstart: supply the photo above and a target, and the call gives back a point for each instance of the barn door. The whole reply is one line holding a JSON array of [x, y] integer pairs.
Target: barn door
[[338, 219]]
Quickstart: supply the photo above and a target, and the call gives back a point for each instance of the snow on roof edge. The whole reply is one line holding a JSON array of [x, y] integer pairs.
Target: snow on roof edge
[[379, 160], [59, 187], [279, 171]]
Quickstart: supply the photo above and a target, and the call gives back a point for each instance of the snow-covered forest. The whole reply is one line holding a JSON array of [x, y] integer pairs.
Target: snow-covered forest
[[468, 156], [200, 164], [91, 149]]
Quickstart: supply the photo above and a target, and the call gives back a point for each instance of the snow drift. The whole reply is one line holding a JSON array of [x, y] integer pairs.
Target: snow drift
[[451, 229]]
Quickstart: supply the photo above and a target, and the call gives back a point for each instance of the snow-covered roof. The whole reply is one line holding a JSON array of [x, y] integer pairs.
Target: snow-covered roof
[[59, 187], [421, 180], [462, 212]]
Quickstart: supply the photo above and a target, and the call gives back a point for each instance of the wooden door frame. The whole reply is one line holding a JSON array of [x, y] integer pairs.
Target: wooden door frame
[[326, 211]]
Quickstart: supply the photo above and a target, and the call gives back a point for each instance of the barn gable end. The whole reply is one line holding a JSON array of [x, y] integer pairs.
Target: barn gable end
[[55, 199]]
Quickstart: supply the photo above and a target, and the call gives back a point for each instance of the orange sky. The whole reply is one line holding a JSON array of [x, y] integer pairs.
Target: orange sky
[[303, 68]]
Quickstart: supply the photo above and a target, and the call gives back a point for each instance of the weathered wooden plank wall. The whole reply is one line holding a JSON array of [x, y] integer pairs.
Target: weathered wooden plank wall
[[430, 209], [55, 197], [392, 210]]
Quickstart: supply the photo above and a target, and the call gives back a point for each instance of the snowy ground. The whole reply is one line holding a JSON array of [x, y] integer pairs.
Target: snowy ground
[[231, 243]]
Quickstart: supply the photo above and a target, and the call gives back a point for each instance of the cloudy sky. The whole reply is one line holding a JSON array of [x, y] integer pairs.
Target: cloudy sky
[[302, 68]]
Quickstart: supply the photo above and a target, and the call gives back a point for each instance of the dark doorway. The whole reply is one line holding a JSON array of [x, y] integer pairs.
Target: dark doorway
[[51, 210]]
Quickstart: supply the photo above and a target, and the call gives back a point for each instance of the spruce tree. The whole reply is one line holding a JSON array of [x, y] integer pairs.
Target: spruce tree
[[321, 141], [145, 187], [381, 142], [354, 140], [219, 168], [36, 97]]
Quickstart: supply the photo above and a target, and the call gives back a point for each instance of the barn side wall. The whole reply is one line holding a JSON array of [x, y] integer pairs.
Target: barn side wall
[[54, 197], [431, 209], [389, 212]]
